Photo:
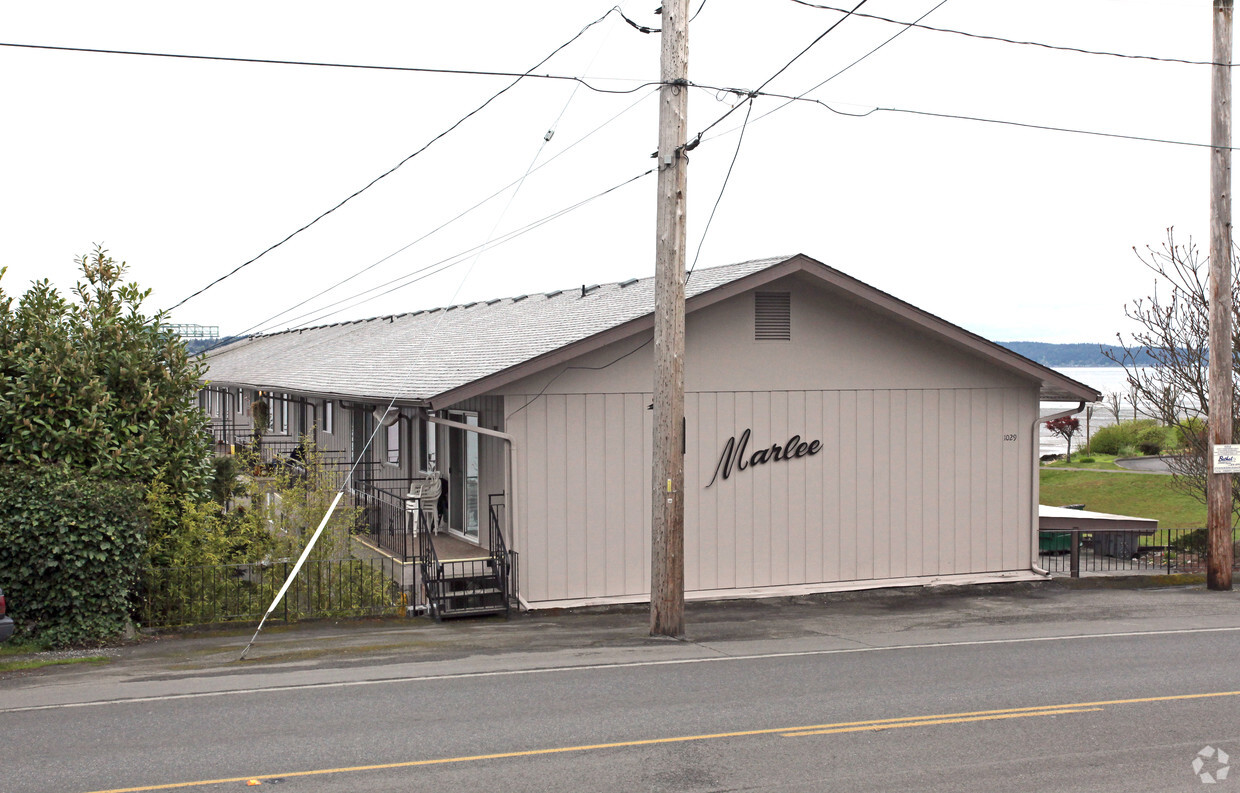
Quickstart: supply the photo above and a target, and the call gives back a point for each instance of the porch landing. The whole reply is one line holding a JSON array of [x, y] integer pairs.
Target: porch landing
[[451, 549]]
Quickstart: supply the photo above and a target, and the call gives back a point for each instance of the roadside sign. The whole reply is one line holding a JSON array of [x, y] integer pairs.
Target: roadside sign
[[1226, 458]]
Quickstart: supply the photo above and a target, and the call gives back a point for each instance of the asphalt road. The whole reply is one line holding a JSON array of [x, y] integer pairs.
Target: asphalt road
[[1020, 690]]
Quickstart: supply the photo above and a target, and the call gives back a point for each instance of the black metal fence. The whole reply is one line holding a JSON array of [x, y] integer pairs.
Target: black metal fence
[[1151, 551], [286, 452], [172, 596], [384, 522]]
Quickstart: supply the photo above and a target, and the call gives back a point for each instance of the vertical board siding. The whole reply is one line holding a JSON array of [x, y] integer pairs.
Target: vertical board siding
[[915, 474], [614, 484], [846, 419], [796, 548], [908, 483], [576, 555], [817, 518], [832, 482], [637, 468], [725, 500], [896, 524]]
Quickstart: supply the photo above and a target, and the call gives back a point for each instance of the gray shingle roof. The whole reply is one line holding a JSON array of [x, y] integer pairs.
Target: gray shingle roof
[[419, 355]]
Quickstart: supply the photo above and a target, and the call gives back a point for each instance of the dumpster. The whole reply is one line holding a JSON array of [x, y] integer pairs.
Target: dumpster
[[1054, 541]]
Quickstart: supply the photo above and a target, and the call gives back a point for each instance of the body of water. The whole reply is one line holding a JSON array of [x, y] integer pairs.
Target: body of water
[[1108, 380]]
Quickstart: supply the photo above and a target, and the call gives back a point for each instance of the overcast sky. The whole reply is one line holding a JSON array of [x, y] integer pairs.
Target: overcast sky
[[186, 169]]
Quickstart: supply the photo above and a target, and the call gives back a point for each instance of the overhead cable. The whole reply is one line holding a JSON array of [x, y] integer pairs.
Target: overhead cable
[[393, 169], [338, 65], [722, 188], [1001, 39], [1004, 122], [808, 91], [445, 263], [698, 138], [267, 322]]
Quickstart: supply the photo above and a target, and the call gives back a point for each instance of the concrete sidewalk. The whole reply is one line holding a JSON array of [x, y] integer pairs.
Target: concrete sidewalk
[[872, 618]]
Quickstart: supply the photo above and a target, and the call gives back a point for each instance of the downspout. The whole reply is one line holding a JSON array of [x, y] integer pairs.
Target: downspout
[[1037, 465], [510, 508]]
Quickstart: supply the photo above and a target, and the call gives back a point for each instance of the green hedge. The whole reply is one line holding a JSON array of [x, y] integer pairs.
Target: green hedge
[[1113, 438], [71, 548]]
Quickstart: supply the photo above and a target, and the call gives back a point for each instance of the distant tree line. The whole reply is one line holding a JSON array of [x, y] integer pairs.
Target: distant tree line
[[195, 346], [1079, 354]]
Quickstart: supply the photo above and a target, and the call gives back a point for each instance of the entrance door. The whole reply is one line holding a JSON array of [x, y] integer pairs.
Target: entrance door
[[359, 433], [463, 475]]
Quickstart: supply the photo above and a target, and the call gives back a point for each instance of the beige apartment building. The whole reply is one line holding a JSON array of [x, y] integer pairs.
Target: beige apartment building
[[836, 436]]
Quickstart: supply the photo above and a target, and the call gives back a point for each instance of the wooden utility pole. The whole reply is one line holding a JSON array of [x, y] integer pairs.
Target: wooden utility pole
[[667, 557], [1218, 486]]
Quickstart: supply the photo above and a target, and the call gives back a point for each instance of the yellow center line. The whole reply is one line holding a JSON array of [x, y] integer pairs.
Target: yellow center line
[[812, 729], [894, 725]]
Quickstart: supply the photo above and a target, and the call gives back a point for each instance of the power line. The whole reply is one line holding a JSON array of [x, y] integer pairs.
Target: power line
[[393, 169], [749, 109], [722, 188], [698, 138], [808, 91], [1003, 40], [640, 28], [1022, 124], [440, 227], [339, 65], [460, 257], [446, 263], [895, 36]]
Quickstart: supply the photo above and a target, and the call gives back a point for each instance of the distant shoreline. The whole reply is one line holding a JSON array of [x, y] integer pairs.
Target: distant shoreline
[[1082, 354]]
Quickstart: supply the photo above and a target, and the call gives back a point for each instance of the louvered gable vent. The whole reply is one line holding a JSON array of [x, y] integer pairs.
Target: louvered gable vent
[[772, 316]]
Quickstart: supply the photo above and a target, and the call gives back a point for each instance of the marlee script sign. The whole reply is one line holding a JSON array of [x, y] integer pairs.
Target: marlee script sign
[[734, 454]]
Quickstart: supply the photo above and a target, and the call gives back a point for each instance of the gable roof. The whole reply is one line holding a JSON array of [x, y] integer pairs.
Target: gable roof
[[444, 355]]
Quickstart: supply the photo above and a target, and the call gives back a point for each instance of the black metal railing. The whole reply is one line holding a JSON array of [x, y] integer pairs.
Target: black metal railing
[[385, 522], [459, 587], [1153, 551], [504, 556], [172, 596], [287, 454]]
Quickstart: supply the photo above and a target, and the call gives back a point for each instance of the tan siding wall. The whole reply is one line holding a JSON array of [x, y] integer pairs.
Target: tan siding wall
[[585, 506], [908, 483]]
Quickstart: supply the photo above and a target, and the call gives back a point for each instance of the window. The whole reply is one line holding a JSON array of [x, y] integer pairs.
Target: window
[[393, 443], [772, 316], [284, 414], [426, 446], [240, 401], [328, 416]]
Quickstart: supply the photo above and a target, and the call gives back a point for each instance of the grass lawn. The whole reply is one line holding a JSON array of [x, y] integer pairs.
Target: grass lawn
[[39, 663], [1139, 495], [1105, 462]]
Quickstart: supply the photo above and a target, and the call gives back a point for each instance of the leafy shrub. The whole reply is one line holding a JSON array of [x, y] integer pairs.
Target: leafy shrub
[[1190, 542], [1152, 440], [72, 544], [224, 485], [1085, 459], [95, 385], [1189, 434], [1110, 439]]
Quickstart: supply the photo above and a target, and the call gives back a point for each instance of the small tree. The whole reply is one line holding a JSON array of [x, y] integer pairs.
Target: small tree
[[260, 414], [98, 386], [1167, 359], [1112, 402], [1089, 415], [1065, 428]]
